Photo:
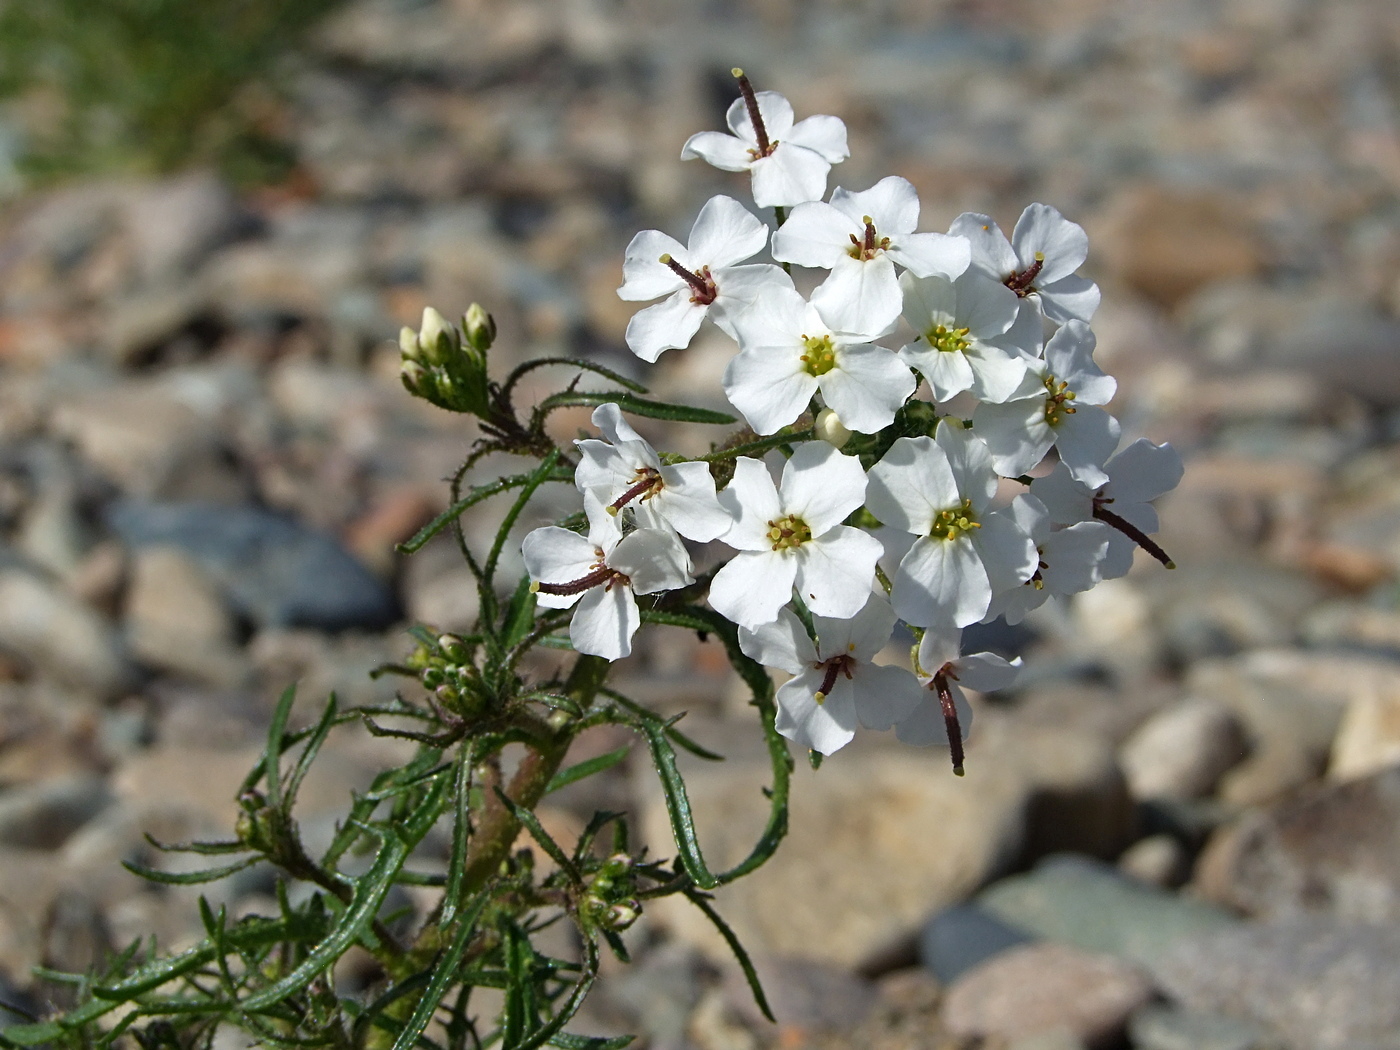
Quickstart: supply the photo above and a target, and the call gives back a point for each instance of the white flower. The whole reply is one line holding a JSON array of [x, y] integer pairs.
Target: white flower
[[1066, 389], [859, 237], [790, 353], [699, 279], [793, 534], [602, 572], [1038, 262], [958, 322], [789, 162], [1069, 561], [625, 471], [941, 491], [943, 715], [1137, 474], [834, 685]]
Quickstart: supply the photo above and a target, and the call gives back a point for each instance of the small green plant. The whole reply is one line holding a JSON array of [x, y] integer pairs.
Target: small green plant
[[149, 85]]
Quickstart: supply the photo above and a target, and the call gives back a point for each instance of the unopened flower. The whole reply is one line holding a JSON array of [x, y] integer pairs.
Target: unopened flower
[[793, 534], [941, 491], [835, 686], [789, 162], [859, 237], [1137, 475], [1061, 410], [601, 573], [625, 471], [1069, 561], [1038, 262], [960, 323], [944, 715], [790, 354], [699, 279]]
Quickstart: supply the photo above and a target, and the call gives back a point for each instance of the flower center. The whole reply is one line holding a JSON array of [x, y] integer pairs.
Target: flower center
[[1057, 400], [601, 575], [948, 340], [820, 358], [646, 483], [952, 523], [1020, 281], [788, 532], [702, 284], [865, 248], [843, 664]]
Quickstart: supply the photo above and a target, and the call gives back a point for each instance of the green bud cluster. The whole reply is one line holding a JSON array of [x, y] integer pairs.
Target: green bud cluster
[[446, 668], [607, 901], [445, 364]]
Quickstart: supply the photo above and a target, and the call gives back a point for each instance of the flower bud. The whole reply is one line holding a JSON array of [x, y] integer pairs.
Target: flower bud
[[452, 647], [413, 377], [830, 428], [480, 327], [622, 915], [437, 338], [408, 343]]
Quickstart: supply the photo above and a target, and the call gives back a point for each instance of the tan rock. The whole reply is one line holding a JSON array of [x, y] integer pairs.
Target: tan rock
[[177, 620], [1368, 739]]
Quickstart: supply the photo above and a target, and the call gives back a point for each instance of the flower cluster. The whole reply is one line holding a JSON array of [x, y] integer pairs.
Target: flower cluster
[[889, 506]]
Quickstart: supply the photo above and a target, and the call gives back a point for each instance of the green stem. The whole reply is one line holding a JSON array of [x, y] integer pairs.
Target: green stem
[[761, 445]]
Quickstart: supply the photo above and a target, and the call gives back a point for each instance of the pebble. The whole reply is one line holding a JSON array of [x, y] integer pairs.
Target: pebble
[[1044, 988], [1313, 983], [176, 619], [1158, 860], [1157, 1027], [1088, 905], [43, 815], [962, 937], [1368, 738], [1182, 752], [60, 635], [802, 993]]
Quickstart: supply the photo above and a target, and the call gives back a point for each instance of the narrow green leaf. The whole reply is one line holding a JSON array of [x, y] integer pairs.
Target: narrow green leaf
[[308, 754], [444, 971], [189, 878], [541, 474], [636, 406], [474, 496], [531, 823], [667, 725], [273, 761], [207, 849], [574, 362], [457, 862], [590, 1042], [587, 768], [520, 614], [580, 989], [750, 974], [518, 1016], [678, 806]]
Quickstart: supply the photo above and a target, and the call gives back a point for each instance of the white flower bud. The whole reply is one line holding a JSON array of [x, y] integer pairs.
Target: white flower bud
[[830, 428]]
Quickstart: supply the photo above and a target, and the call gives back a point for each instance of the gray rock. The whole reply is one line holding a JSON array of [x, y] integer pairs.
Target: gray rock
[[44, 815], [1084, 903], [1348, 345], [962, 937], [174, 224], [1158, 1027], [1042, 988], [1333, 848], [274, 571], [1318, 984], [1182, 752], [176, 619], [60, 635], [801, 993]]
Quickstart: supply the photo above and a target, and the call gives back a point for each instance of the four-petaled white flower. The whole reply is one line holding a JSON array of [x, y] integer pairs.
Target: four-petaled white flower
[[1069, 561], [625, 471], [944, 715], [602, 572], [1137, 475], [789, 162], [1060, 408], [1039, 261], [835, 686], [793, 534], [790, 353], [959, 322], [941, 491], [701, 278], [859, 237]]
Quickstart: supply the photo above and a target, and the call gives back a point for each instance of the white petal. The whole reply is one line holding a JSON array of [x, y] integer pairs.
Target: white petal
[[644, 277], [926, 725], [948, 372], [1007, 553], [751, 500], [991, 251], [941, 582], [1072, 557], [773, 109], [1026, 336], [742, 290], [826, 727], [867, 387], [986, 672], [822, 486], [815, 234], [608, 419], [835, 573], [986, 307], [782, 644], [940, 645], [753, 587], [1066, 499], [653, 559], [776, 318], [604, 529], [911, 484], [688, 502], [971, 463], [669, 325], [1015, 432], [1143, 471], [1043, 229], [926, 254], [555, 555], [1085, 441], [1071, 298], [1069, 357], [885, 695], [718, 149], [605, 622], [788, 176], [725, 233], [929, 301], [862, 635], [824, 135], [892, 203], [996, 374], [769, 386], [860, 295], [603, 470]]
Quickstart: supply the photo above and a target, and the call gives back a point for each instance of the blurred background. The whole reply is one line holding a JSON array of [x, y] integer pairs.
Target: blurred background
[[1181, 830]]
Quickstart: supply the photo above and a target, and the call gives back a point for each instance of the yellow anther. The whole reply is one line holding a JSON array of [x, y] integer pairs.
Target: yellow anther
[[612, 512], [736, 72], [851, 647], [819, 697], [665, 260], [534, 586], [1040, 257]]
